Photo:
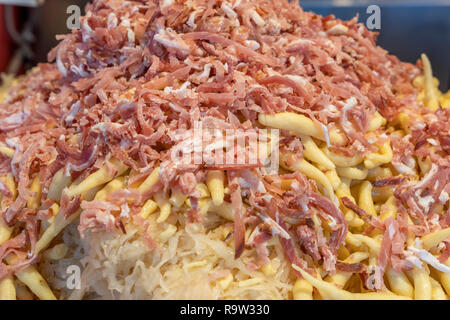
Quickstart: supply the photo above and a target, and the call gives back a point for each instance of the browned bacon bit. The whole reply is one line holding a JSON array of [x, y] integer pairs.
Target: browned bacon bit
[[14, 209], [98, 216], [82, 161], [331, 209], [33, 228], [238, 211], [69, 206], [372, 221], [291, 253], [419, 197], [11, 246], [308, 241], [391, 181], [18, 242], [350, 267], [297, 87], [120, 226], [329, 259]]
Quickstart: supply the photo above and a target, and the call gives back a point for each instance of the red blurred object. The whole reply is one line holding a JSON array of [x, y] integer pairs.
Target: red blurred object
[[5, 42]]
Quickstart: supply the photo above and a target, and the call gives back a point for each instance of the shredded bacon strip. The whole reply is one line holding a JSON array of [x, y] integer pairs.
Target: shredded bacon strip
[[349, 267], [373, 221], [391, 181]]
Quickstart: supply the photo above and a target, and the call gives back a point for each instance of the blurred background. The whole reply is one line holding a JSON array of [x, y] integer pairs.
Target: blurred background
[[408, 28]]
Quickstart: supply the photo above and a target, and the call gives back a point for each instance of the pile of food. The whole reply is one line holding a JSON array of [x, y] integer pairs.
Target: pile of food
[[357, 208]]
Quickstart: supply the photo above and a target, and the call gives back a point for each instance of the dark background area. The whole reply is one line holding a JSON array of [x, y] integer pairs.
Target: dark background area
[[408, 28]]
